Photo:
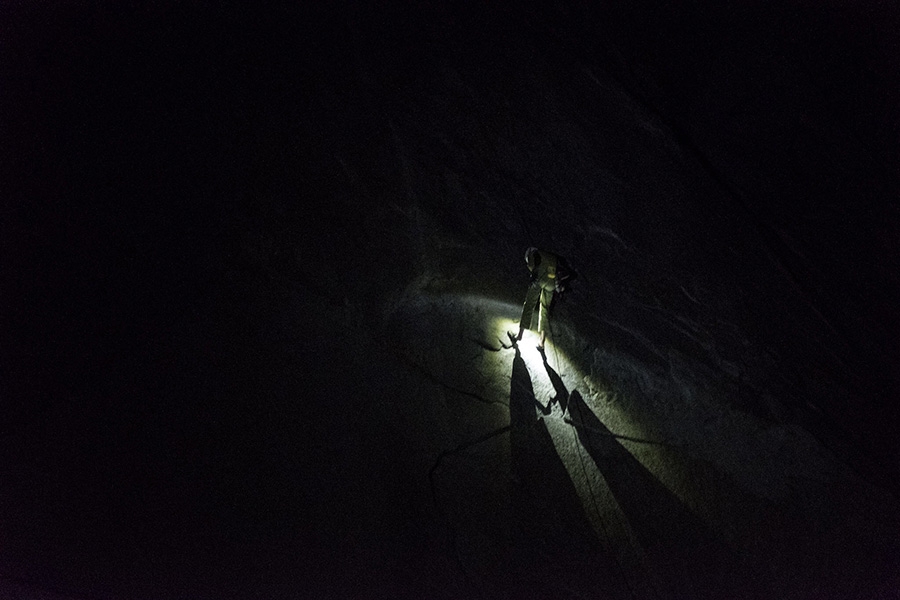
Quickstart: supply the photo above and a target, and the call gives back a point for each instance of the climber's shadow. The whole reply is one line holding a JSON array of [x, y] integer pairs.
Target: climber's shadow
[[658, 518], [654, 513], [562, 394], [548, 512]]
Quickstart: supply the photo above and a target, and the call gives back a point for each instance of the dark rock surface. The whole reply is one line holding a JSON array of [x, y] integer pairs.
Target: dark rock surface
[[258, 266]]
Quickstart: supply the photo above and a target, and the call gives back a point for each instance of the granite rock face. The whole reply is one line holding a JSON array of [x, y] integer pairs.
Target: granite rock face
[[261, 265]]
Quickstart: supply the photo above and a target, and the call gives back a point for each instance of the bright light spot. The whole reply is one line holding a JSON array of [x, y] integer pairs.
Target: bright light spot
[[528, 349]]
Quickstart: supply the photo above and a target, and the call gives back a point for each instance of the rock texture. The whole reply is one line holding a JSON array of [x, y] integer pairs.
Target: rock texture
[[259, 265]]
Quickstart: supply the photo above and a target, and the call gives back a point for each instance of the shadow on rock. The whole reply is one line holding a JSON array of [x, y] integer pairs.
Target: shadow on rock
[[550, 528], [562, 394], [673, 538]]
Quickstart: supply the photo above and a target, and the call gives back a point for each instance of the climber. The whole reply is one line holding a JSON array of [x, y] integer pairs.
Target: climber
[[549, 276]]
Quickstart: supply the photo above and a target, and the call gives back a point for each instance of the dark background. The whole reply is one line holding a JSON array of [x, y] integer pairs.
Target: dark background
[[172, 174]]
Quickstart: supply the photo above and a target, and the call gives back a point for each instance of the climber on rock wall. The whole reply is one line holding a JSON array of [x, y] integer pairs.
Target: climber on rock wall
[[549, 276]]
